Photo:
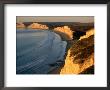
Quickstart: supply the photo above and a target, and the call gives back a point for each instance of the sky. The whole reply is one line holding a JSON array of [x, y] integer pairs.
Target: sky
[[82, 19]]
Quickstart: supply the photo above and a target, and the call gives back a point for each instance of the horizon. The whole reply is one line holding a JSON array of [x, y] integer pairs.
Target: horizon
[[80, 19]]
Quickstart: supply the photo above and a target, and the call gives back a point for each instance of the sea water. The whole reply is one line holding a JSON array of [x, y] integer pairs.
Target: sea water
[[36, 50]]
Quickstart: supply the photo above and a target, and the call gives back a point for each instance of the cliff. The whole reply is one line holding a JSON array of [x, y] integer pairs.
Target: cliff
[[88, 33], [37, 26], [80, 56], [65, 32], [20, 26], [77, 26]]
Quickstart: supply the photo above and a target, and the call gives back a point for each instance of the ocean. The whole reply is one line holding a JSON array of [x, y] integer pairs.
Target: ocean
[[37, 50]]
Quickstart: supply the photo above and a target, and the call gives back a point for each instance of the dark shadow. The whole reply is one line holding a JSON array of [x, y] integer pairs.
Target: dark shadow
[[78, 34], [89, 70]]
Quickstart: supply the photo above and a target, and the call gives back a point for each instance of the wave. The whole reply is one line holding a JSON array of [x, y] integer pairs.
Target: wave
[[36, 50]]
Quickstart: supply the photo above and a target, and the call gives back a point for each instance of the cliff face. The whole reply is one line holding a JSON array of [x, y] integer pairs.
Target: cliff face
[[65, 32], [80, 56], [37, 26], [20, 26]]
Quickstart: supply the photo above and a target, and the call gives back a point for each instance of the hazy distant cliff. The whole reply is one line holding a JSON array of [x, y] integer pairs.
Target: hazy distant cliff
[[37, 26], [20, 26], [77, 26]]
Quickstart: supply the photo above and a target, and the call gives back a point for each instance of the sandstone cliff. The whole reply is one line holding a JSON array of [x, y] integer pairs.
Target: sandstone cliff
[[37, 26], [80, 56], [65, 32], [20, 26]]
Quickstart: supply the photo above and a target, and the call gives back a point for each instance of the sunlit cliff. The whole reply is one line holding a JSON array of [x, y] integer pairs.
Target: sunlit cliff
[[65, 32], [80, 56], [37, 26], [88, 33]]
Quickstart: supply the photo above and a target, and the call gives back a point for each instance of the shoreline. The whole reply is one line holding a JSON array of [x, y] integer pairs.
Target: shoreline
[[58, 69]]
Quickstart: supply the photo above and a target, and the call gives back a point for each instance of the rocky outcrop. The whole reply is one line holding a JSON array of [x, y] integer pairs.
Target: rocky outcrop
[[80, 56], [65, 32], [37, 26], [88, 33], [20, 26]]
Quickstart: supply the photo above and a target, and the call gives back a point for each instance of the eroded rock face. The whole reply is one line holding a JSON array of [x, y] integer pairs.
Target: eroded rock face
[[80, 56], [20, 26], [37, 26], [65, 32]]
